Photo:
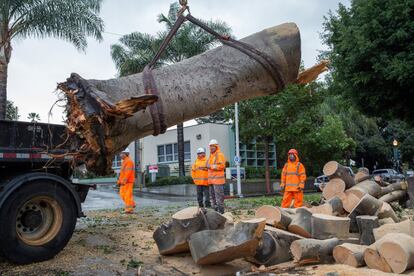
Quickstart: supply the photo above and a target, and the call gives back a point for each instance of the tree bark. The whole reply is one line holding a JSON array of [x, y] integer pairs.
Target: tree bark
[[180, 147], [333, 169], [100, 123], [368, 205], [173, 237], [5, 53], [301, 223], [362, 176], [350, 254], [326, 227], [220, 246], [366, 187], [393, 196], [332, 207], [398, 252], [313, 251], [386, 211], [366, 225], [275, 216], [349, 200]]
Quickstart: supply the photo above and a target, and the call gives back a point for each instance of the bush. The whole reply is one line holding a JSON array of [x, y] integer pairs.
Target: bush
[[171, 180], [255, 173]]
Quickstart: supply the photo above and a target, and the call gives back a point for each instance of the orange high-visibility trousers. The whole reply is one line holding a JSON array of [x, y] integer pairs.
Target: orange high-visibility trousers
[[289, 196], [126, 193]]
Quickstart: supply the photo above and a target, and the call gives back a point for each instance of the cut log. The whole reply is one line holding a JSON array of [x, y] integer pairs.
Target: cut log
[[373, 259], [332, 207], [349, 200], [398, 252], [380, 181], [385, 221], [275, 216], [229, 219], [274, 247], [173, 237], [368, 205], [291, 211], [405, 227], [333, 188], [313, 251], [393, 196], [402, 185], [410, 191], [366, 225], [333, 169], [361, 176], [220, 246], [301, 223], [366, 187], [350, 254], [386, 211], [189, 89], [325, 227]]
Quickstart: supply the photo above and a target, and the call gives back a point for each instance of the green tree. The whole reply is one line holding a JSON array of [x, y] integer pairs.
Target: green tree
[[137, 49], [33, 117], [70, 20], [371, 49], [12, 111]]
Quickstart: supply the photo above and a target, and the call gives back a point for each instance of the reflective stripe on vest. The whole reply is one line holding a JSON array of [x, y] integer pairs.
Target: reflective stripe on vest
[[199, 178]]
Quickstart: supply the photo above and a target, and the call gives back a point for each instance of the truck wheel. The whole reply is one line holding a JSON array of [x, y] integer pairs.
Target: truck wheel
[[37, 221]]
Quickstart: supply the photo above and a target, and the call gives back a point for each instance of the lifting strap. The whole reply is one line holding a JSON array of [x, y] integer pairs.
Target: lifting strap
[[156, 110]]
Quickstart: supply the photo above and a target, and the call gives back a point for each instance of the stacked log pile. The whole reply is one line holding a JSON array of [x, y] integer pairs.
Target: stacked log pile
[[353, 225]]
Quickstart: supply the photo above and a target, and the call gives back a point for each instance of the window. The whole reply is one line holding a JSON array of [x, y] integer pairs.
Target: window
[[169, 152], [116, 163]]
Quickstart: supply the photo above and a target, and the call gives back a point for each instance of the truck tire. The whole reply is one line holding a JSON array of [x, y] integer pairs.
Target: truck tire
[[37, 221]]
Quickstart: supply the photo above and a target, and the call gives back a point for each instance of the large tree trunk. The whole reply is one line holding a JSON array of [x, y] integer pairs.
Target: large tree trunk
[[350, 254], [313, 251], [398, 252], [180, 146], [103, 117]]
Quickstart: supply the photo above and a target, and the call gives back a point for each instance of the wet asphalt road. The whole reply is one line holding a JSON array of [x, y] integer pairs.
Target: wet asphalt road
[[106, 197]]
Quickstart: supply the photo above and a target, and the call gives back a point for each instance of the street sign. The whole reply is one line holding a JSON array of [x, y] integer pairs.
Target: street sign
[[237, 159]]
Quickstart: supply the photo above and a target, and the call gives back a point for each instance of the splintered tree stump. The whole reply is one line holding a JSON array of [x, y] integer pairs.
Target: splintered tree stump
[[372, 257], [368, 205], [275, 216], [366, 225], [366, 187], [274, 247], [405, 227], [301, 223], [220, 246], [362, 176], [349, 200], [192, 88], [333, 188], [332, 207], [313, 251], [386, 211], [333, 169], [173, 237], [393, 196], [398, 252], [325, 227], [350, 254]]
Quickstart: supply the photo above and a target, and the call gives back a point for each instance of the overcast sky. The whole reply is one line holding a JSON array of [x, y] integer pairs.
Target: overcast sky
[[38, 65]]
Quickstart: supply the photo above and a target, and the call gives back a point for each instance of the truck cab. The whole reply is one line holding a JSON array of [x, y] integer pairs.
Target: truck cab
[[39, 205]]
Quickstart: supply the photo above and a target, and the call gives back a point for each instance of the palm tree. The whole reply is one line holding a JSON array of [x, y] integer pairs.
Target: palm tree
[[71, 20], [137, 49], [33, 117]]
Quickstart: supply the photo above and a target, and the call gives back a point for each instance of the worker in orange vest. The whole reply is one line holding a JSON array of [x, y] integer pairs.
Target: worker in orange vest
[[216, 165], [199, 173], [126, 182], [293, 180]]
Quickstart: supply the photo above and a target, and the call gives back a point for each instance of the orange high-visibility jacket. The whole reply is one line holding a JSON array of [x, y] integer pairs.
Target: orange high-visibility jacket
[[127, 173], [293, 176], [200, 176], [217, 162]]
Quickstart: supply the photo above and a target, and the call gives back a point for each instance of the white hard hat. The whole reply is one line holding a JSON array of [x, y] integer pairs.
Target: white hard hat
[[213, 142], [201, 150], [126, 150]]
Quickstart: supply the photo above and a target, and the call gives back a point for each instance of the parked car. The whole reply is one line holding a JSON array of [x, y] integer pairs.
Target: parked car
[[409, 173], [389, 175], [321, 181]]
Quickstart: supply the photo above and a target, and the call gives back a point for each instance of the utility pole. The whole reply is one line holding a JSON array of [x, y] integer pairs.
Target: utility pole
[[237, 158]]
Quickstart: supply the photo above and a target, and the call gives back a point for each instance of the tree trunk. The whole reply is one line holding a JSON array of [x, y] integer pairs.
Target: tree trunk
[[274, 247], [267, 169], [350, 254], [398, 252], [103, 117], [332, 207], [333, 188], [366, 226], [313, 251], [301, 223], [180, 147], [275, 216], [326, 227], [368, 205], [386, 211], [349, 200], [173, 237], [333, 169], [362, 176], [373, 259], [393, 196], [366, 187], [405, 227], [220, 246]]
